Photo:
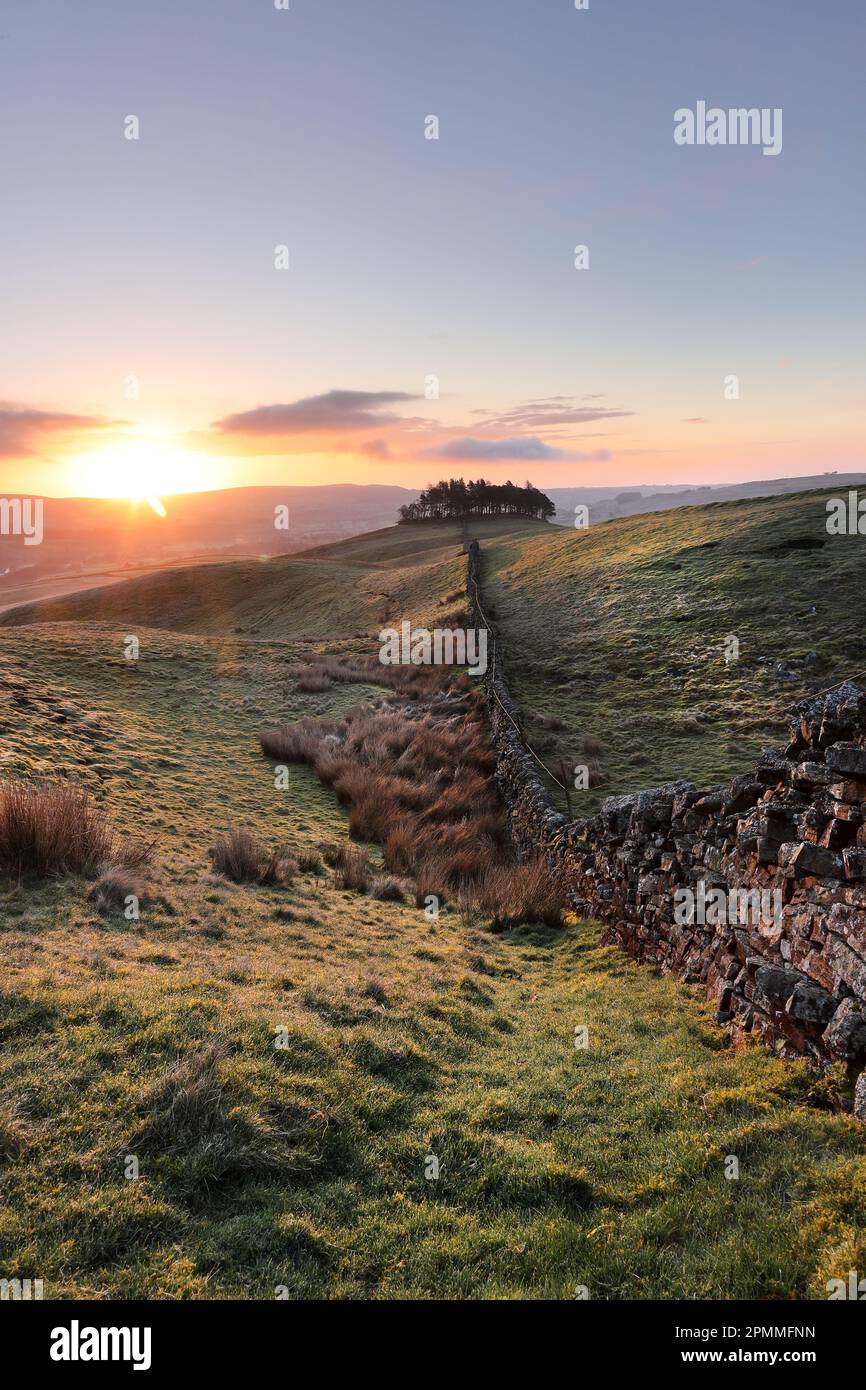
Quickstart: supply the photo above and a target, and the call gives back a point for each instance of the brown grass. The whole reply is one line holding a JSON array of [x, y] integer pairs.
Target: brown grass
[[240, 856], [58, 829], [353, 869], [313, 683], [412, 682], [418, 781], [310, 862], [113, 887], [388, 888], [513, 893]]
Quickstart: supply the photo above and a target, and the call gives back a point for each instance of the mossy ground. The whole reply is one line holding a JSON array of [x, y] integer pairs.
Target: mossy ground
[[303, 1165]]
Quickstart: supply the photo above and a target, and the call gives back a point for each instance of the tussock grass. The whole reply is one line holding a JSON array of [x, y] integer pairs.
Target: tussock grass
[[58, 829], [113, 887], [412, 682], [388, 888], [513, 893], [419, 782], [241, 856], [353, 868]]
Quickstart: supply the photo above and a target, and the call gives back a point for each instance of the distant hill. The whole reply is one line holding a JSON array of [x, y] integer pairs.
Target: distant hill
[[90, 542], [605, 503], [332, 590], [83, 534], [335, 590]]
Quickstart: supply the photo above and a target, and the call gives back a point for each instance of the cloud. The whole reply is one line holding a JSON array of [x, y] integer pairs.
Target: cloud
[[520, 447], [695, 420], [554, 410], [375, 449], [333, 410], [21, 428]]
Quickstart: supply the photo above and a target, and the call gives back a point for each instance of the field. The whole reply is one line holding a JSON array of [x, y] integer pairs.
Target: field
[[302, 1166]]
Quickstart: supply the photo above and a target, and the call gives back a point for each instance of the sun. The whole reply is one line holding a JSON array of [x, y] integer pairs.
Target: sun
[[142, 469]]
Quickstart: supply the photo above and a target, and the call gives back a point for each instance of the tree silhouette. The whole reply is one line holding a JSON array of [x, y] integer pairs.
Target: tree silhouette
[[455, 500]]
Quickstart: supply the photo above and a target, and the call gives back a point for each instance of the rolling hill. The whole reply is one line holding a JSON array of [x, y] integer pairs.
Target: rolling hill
[[333, 590]]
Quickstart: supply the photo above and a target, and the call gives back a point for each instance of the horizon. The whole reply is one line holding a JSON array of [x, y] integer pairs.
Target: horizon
[[346, 482], [439, 280]]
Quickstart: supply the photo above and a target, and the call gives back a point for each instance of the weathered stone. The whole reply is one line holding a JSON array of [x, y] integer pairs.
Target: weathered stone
[[852, 791], [860, 1097], [847, 758], [811, 859], [808, 775], [811, 1004], [845, 1034], [777, 983], [854, 860]]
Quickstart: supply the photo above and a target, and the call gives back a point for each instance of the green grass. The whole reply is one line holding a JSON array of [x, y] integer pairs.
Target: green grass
[[303, 1165], [618, 634]]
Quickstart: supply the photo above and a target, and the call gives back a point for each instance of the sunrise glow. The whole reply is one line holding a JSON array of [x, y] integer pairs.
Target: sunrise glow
[[140, 468]]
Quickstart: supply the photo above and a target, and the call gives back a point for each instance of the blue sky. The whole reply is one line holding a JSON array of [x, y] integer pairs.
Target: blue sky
[[412, 257]]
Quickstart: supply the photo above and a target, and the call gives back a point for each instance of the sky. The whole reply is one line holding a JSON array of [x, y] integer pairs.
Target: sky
[[431, 320]]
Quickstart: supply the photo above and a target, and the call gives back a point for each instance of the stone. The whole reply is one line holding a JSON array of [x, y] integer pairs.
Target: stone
[[808, 775], [812, 859], [860, 1097], [742, 793], [849, 791], [845, 1034], [810, 1004], [847, 758], [854, 859], [776, 983]]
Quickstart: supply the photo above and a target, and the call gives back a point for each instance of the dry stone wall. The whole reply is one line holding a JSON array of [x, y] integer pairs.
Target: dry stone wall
[[793, 829]]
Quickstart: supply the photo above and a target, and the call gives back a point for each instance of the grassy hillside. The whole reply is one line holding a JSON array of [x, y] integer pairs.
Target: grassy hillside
[[616, 635], [304, 1165], [332, 591]]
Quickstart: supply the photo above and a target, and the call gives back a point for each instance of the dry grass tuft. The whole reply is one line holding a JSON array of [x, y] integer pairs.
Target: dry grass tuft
[[59, 830], [412, 682], [388, 888], [353, 869], [310, 862], [418, 781], [240, 856], [113, 888], [513, 893]]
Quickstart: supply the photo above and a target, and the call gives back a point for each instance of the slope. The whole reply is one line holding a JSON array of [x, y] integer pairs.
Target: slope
[[617, 637]]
